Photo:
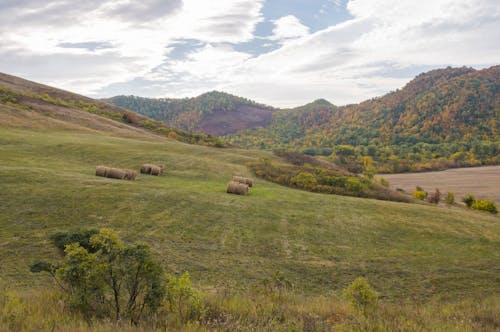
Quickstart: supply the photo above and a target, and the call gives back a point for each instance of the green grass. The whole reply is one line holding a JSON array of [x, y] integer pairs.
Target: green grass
[[320, 242]]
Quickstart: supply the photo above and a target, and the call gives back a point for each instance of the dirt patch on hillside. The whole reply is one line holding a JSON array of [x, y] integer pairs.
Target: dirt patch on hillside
[[244, 117], [483, 182]]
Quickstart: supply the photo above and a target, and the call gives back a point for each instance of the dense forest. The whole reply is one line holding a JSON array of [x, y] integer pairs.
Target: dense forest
[[441, 119], [184, 113]]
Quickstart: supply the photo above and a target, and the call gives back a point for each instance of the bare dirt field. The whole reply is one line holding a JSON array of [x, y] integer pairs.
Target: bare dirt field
[[482, 182]]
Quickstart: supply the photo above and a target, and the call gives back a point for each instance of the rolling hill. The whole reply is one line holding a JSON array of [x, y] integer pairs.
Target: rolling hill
[[424, 261], [444, 118], [215, 113]]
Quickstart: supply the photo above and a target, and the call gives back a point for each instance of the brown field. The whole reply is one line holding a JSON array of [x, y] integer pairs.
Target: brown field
[[482, 182]]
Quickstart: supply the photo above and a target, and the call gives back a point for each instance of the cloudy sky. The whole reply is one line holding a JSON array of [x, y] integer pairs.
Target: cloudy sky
[[279, 52]]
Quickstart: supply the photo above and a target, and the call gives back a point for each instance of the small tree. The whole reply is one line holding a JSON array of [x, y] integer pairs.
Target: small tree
[[361, 296]]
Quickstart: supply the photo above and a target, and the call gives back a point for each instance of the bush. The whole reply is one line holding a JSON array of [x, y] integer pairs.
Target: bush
[[485, 205], [131, 117], [450, 198], [435, 197], [468, 200], [419, 194], [182, 299], [361, 296]]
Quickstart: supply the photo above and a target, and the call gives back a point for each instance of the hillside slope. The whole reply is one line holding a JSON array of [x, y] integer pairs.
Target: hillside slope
[[28, 104], [320, 242], [215, 113]]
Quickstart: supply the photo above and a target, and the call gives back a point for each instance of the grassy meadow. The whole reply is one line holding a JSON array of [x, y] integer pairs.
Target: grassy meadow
[[411, 254]]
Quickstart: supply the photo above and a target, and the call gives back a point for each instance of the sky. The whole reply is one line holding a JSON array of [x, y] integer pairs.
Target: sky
[[279, 52]]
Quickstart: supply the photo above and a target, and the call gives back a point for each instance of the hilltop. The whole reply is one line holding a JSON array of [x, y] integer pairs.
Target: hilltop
[[444, 118], [215, 113]]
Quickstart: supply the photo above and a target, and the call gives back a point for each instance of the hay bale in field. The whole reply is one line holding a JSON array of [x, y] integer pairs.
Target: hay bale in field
[[115, 173], [101, 171], [130, 174], [146, 168], [237, 188], [156, 170], [243, 180]]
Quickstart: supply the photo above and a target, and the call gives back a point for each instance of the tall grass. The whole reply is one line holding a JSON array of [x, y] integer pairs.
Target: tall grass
[[259, 311]]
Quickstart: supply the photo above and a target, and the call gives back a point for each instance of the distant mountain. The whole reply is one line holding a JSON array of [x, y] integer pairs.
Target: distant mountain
[[441, 107], [215, 113]]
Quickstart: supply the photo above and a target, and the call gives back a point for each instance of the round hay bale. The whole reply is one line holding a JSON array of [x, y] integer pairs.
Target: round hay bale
[[237, 188], [130, 174], [116, 173], [101, 171], [244, 180], [155, 170], [146, 169]]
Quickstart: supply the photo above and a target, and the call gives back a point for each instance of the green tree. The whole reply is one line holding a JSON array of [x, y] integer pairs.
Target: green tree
[[110, 278]]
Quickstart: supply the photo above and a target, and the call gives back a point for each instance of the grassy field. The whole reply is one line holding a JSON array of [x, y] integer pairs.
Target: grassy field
[[482, 182], [408, 252]]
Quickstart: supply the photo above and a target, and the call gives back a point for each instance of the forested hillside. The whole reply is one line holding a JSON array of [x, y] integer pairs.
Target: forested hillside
[[206, 113], [443, 118]]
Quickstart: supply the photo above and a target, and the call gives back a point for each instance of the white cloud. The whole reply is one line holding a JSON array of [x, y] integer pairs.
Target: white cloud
[[107, 43], [137, 36], [288, 27]]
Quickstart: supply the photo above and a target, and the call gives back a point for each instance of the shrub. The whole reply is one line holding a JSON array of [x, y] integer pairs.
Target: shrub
[[450, 198], [485, 205], [183, 299], [419, 194], [130, 117], [434, 197], [361, 296], [468, 200]]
